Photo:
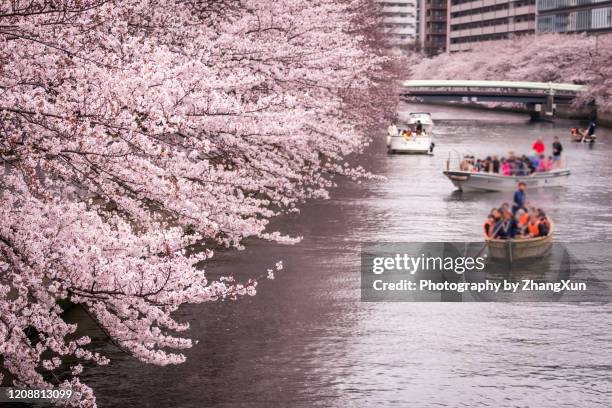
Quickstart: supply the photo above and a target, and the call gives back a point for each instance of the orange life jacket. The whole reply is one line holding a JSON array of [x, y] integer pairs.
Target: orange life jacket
[[534, 228], [524, 219]]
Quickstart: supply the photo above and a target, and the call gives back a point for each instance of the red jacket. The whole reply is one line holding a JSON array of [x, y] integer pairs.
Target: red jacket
[[538, 146]]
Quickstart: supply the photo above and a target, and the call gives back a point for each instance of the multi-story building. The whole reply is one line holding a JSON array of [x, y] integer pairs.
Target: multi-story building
[[567, 16], [400, 21], [472, 22], [432, 26]]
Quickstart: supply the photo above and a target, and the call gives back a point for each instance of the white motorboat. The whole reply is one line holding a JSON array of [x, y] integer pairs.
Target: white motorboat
[[415, 138], [484, 181]]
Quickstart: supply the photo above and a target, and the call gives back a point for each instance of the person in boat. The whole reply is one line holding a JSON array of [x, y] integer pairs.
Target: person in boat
[[587, 133], [557, 149], [419, 127], [528, 166], [505, 166], [576, 134], [543, 226], [512, 162], [392, 130], [522, 219], [511, 167], [406, 133], [521, 167], [495, 165], [539, 146], [519, 198], [516, 166], [489, 164], [535, 161], [506, 227], [590, 130], [489, 225], [465, 164], [492, 219], [542, 164], [505, 207], [496, 214], [549, 164], [533, 227], [531, 169]]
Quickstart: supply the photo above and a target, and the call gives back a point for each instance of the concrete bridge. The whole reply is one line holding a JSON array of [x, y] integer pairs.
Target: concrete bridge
[[540, 98]]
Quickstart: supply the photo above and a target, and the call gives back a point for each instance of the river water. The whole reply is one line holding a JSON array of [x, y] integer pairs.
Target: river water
[[307, 340]]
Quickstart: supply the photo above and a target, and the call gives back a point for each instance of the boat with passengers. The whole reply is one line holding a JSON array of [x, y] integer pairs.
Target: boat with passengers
[[521, 248], [524, 234], [582, 136], [416, 137], [493, 174]]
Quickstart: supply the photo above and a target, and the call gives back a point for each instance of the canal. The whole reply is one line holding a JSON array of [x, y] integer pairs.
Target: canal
[[307, 340]]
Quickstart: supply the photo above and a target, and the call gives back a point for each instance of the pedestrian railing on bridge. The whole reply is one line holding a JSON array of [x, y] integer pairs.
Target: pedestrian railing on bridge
[[538, 96], [549, 87]]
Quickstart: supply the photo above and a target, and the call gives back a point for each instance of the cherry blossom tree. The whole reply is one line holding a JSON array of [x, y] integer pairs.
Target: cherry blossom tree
[[573, 58], [135, 132]]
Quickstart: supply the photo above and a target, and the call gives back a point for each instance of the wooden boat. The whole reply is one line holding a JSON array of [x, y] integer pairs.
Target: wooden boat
[[520, 248], [483, 181]]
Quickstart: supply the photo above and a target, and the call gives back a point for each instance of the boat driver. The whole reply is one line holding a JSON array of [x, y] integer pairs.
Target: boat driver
[[519, 198], [419, 127]]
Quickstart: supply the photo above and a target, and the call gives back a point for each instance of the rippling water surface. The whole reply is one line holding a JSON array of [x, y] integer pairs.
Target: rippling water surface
[[307, 340]]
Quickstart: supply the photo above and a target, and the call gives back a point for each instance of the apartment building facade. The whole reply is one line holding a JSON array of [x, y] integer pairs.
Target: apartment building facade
[[472, 22], [400, 21], [570, 16], [433, 26]]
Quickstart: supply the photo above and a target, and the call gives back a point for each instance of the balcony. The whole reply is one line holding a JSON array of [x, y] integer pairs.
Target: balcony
[[524, 26], [400, 20], [521, 11], [476, 5], [436, 5], [435, 31], [436, 18], [410, 30], [399, 10]]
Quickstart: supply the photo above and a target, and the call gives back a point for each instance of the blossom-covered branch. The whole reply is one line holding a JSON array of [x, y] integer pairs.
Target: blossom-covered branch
[[132, 130]]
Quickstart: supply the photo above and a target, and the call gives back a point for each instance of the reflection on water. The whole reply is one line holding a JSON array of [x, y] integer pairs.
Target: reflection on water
[[307, 340]]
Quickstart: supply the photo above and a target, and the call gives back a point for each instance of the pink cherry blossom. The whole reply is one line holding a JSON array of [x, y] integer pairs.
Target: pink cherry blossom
[[569, 58], [138, 135]]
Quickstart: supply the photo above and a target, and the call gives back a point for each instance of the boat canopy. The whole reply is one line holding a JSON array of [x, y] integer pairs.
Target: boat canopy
[[424, 117]]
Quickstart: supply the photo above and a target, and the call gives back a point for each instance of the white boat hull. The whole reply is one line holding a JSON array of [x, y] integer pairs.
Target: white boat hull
[[412, 145], [468, 181]]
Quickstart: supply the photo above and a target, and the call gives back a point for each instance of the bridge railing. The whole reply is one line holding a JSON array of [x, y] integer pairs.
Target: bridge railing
[[549, 87]]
